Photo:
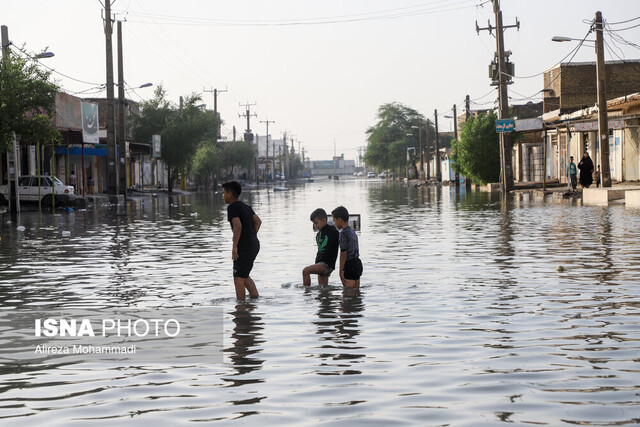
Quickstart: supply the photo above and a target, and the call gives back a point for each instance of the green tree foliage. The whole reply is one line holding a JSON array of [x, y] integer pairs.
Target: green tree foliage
[[239, 153], [207, 162], [477, 153], [387, 140], [27, 101], [181, 129]]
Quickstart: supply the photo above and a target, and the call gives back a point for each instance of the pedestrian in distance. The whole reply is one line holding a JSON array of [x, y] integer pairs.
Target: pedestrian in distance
[[73, 180], [598, 177], [572, 174], [327, 242], [350, 264], [586, 171], [245, 225]]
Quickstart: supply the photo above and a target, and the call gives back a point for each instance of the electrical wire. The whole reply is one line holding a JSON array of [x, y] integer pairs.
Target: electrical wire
[[390, 14]]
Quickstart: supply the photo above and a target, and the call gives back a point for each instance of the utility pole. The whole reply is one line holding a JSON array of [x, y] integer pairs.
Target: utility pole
[[273, 172], [428, 150], [455, 136], [112, 165], [438, 172], [506, 167], [248, 115], [603, 124], [215, 111], [122, 155], [467, 108], [12, 160]]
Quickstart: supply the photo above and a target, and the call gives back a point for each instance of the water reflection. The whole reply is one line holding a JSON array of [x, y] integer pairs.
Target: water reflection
[[337, 325], [247, 340]]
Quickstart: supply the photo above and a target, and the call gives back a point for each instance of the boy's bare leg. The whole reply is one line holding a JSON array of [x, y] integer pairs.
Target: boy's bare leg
[[351, 283], [309, 270], [323, 280], [251, 287], [239, 284]]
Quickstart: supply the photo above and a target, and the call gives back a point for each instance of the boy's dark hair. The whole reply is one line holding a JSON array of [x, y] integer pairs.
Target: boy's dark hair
[[233, 187], [341, 212], [319, 214]]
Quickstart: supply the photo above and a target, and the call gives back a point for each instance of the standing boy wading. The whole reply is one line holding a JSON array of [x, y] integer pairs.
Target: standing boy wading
[[350, 264], [327, 241], [245, 225]]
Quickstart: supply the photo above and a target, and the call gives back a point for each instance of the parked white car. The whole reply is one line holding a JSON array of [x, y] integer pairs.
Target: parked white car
[[371, 175], [28, 190]]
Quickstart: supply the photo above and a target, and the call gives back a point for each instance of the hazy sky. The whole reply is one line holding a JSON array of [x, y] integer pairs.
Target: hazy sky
[[319, 69]]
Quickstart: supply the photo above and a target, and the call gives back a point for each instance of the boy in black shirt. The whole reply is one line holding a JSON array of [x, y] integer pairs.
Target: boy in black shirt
[[245, 225], [327, 241]]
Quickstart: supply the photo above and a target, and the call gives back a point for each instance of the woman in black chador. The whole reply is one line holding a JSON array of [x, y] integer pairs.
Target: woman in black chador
[[586, 171]]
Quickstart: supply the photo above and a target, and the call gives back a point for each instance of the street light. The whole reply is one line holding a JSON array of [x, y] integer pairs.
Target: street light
[[419, 127], [45, 55], [603, 124], [408, 158]]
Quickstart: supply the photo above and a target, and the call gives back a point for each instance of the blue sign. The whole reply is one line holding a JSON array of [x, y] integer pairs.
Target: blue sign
[[505, 125]]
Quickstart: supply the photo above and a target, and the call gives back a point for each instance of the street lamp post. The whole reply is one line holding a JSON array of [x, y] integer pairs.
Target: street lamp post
[[419, 127], [455, 136], [603, 124]]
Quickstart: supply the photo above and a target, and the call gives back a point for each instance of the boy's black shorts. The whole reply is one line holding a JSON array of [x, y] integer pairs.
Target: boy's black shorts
[[243, 265], [353, 269]]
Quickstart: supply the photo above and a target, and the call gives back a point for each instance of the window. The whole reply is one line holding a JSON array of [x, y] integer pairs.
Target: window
[[24, 181]]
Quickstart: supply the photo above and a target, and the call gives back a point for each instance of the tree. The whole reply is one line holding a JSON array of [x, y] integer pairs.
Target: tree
[[207, 161], [181, 130], [238, 153], [477, 153], [388, 140], [27, 101]]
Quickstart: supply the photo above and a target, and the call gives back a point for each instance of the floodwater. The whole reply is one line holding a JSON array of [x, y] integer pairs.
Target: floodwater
[[472, 311]]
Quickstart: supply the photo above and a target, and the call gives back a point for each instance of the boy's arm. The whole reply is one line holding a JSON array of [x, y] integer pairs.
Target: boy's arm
[[343, 259], [237, 229], [257, 222]]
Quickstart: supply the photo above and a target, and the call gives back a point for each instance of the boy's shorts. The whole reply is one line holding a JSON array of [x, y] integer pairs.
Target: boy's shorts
[[353, 269], [244, 264], [327, 270]]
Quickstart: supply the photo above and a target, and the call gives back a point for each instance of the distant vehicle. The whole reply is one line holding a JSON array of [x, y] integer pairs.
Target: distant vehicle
[[371, 175], [28, 190], [359, 173], [382, 175], [280, 176]]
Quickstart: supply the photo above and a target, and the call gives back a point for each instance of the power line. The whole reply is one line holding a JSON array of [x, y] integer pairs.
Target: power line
[[421, 10]]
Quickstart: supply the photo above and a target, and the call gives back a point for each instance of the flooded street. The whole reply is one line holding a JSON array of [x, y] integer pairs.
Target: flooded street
[[472, 311]]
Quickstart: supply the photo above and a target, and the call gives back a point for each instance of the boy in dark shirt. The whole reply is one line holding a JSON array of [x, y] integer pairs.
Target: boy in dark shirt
[[327, 241], [245, 225], [350, 264]]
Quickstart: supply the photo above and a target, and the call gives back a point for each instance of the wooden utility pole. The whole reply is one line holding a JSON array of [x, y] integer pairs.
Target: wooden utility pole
[[455, 136], [122, 155], [248, 115], [273, 170], [438, 172], [467, 108], [603, 123], [215, 112], [506, 146], [428, 150], [112, 165]]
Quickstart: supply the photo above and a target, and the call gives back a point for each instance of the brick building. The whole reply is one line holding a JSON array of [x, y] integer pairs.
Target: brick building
[[572, 86]]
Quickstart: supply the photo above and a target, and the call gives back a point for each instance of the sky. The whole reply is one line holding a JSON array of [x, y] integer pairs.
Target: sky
[[319, 70]]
